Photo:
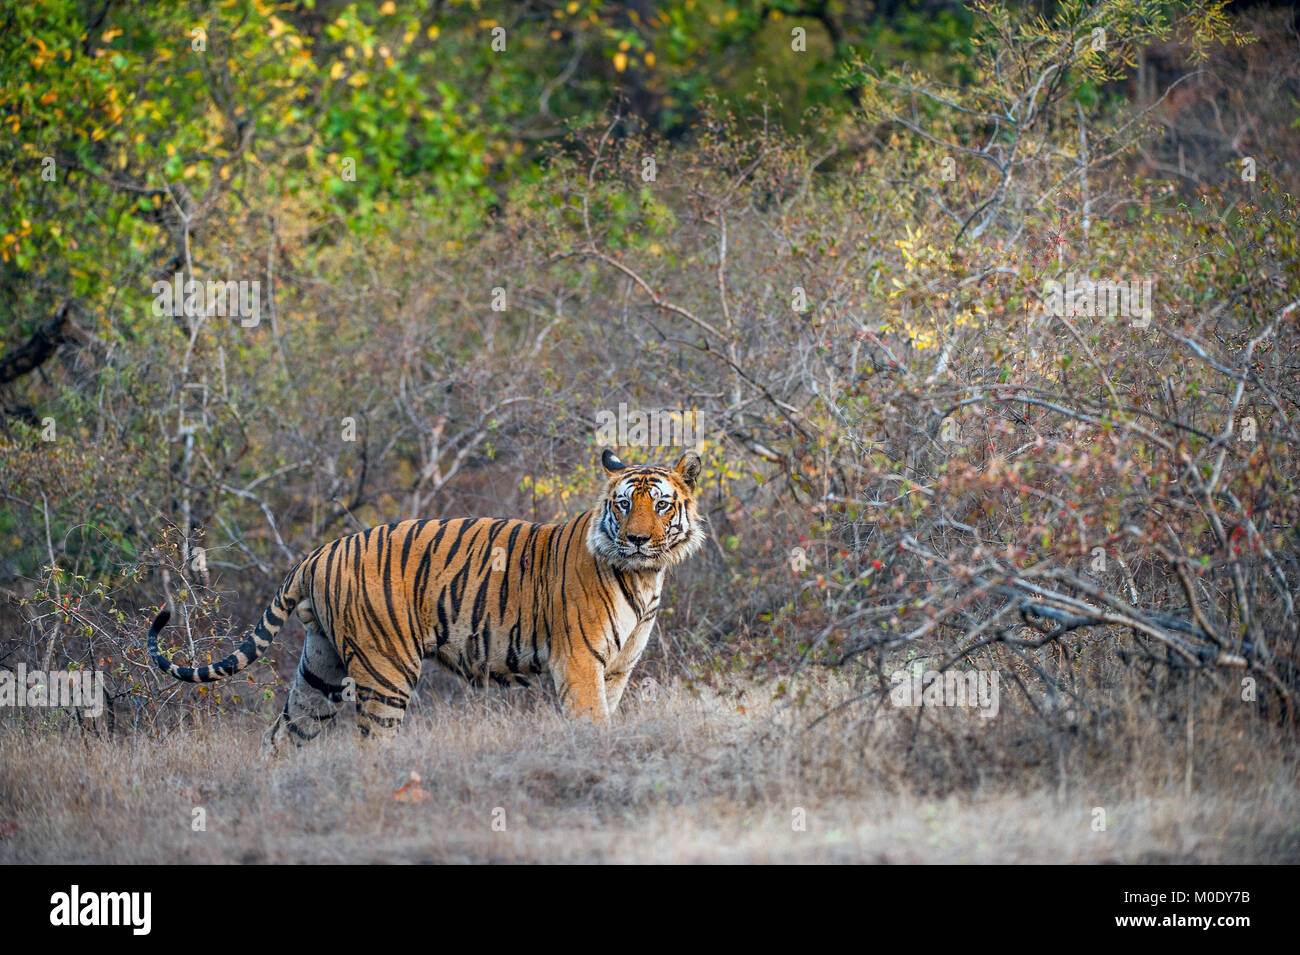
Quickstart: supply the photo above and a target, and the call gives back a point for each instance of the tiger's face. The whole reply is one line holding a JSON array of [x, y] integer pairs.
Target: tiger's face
[[647, 519]]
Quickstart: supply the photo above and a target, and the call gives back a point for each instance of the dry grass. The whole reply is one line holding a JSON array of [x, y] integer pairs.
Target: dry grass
[[679, 779]]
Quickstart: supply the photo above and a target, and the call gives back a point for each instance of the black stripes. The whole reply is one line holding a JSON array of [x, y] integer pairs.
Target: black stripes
[[293, 728], [250, 649], [159, 622], [494, 600], [333, 692]]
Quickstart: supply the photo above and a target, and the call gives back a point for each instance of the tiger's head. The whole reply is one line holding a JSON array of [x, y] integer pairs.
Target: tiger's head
[[646, 519]]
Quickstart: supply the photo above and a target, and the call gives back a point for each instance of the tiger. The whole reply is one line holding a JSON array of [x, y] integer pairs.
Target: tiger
[[498, 600]]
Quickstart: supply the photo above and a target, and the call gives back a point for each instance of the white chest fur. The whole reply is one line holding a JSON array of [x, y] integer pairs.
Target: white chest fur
[[635, 619]]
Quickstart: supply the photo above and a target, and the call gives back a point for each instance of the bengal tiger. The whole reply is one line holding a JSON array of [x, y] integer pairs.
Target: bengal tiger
[[494, 599]]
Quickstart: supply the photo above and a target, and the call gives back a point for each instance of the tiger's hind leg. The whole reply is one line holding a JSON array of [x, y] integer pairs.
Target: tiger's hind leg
[[380, 709], [384, 688], [318, 692]]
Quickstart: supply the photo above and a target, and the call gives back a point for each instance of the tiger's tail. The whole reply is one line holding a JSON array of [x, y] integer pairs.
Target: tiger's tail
[[254, 645]]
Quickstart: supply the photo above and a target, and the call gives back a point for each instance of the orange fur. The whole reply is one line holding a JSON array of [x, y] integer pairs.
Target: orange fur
[[498, 600]]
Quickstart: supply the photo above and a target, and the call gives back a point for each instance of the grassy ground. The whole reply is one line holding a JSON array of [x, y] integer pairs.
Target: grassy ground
[[677, 779]]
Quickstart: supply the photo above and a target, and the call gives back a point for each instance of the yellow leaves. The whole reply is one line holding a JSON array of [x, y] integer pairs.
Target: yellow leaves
[[388, 8], [650, 60], [974, 317], [487, 24], [13, 122], [336, 70], [278, 27], [571, 8], [432, 32], [915, 253], [357, 79], [43, 54], [620, 62], [49, 98], [9, 241], [189, 171], [108, 36], [922, 338]]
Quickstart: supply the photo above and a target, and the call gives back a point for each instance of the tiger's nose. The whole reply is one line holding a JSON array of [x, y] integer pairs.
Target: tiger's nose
[[636, 540]]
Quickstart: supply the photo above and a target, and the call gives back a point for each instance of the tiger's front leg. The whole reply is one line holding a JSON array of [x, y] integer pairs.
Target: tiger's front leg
[[615, 684], [620, 668], [580, 681]]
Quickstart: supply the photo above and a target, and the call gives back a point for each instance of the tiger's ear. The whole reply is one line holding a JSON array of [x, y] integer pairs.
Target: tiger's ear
[[688, 468], [611, 463]]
